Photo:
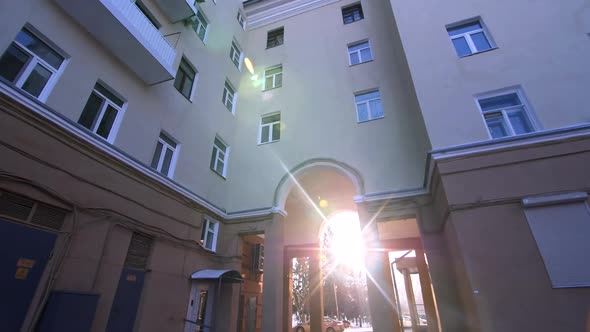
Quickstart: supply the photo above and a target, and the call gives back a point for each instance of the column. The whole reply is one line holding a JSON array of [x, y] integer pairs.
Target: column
[[427, 294], [273, 285], [384, 315], [316, 299]]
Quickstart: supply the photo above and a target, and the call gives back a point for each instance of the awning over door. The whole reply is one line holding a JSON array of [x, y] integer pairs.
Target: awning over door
[[223, 275]]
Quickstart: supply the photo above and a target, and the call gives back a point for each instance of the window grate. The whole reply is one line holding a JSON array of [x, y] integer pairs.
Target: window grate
[[139, 251], [49, 217], [15, 206]]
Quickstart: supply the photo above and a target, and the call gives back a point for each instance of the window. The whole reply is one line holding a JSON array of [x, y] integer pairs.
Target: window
[[219, 157], [31, 64], [359, 53], [469, 38], [368, 106], [273, 77], [241, 20], [102, 113], [235, 54], [270, 128], [209, 234], [185, 79], [560, 225], [200, 25], [275, 37], [352, 13], [505, 115], [165, 155], [229, 97], [148, 14]]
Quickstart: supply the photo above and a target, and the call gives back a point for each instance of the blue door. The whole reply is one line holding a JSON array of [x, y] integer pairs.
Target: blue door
[[24, 253], [124, 308]]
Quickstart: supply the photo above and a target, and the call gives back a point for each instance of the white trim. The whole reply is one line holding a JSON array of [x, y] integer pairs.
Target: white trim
[[270, 131], [198, 23], [367, 102], [241, 18], [274, 77], [106, 103], [467, 35], [217, 159], [236, 50], [234, 95], [358, 52], [210, 227], [524, 106], [175, 152]]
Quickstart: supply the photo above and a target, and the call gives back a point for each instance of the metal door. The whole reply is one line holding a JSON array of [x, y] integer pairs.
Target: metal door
[[126, 302], [24, 253]]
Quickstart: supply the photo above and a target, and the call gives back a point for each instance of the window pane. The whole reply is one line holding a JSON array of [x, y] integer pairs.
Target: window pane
[[276, 132], [363, 112], [367, 96], [219, 168], [38, 47], [157, 153], [496, 126], [273, 71], [219, 144], [12, 62], [461, 46], [168, 140], [480, 41], [271, 118], [359, 46], [109, 95], [37, 80], [107, 121], [268, 83], [499, 102], [366, 55], [178, 81], [520, 122], [264, 134], [213, 158], [90, 111], [376, 109], [464, 28], [354, 58], [187, 88], [278, 80], [167, 159], [209, 242]]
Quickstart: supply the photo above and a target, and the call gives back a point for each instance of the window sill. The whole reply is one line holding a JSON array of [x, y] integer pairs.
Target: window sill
[[185, 97], [360, 63], [221, 176], [270, 89], [353, 21], [365, 121], [207, 249], [266, 143], [268, 48], [480, 52]]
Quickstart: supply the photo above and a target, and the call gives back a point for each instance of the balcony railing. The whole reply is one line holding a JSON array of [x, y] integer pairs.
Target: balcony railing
[[178, 10], [127, 33]]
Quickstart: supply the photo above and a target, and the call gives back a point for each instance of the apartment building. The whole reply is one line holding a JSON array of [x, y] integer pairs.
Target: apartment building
[[154, 153]]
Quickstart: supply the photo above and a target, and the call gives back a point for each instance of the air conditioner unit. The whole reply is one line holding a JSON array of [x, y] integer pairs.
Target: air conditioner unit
[[258, 258]]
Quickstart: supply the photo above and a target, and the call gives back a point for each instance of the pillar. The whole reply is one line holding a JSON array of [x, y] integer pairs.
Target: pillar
[[274, 279], [316, 299], [384, 315], [427, 293]]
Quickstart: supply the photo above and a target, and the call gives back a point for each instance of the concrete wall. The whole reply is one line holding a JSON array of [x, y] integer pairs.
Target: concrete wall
[[150, 108], [542, 46], [317, 107]]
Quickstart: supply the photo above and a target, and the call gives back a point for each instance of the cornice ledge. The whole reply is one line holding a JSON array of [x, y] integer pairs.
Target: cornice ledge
[[284, 11]]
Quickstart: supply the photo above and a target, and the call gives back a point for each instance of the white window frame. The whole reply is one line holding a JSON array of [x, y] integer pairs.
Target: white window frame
[[210, 228], [227, 93], [225, 158], [356, 105], [358, 52], [524, 105], [270, 130], [467, 35], [175, 153], [236, 50], [274, 77], [107, 102], [34, 60], [197, 24], [241, 20]]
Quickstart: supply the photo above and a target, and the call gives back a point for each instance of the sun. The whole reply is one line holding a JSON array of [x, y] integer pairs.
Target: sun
[[346, 242]]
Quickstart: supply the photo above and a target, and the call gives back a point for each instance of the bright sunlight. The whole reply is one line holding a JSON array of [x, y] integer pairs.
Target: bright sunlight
[[346, 242]]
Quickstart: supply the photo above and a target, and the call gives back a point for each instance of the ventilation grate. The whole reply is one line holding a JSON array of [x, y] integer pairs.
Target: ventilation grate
[[15, 206], [139, 251], [48, 216]]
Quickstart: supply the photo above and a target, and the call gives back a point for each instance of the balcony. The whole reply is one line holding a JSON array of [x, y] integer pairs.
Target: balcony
[[178, 10], [123, 29]]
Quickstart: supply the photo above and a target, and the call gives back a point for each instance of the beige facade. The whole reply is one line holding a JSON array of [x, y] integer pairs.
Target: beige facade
[[425, 175]]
